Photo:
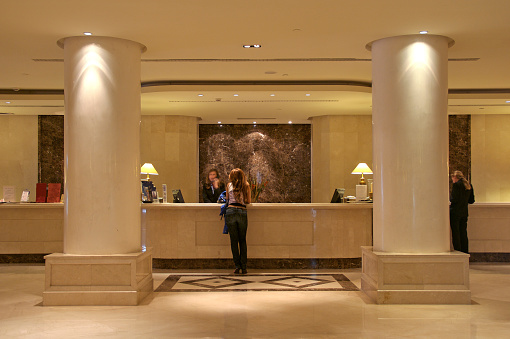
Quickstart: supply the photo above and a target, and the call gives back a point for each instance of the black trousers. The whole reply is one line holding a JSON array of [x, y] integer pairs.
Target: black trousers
[[237, 223], [458, 226]]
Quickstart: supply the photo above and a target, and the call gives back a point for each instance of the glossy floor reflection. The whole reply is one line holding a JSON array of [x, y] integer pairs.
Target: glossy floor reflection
[[259, 314]]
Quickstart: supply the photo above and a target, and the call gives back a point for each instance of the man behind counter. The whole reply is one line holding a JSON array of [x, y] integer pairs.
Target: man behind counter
[[213, 187]]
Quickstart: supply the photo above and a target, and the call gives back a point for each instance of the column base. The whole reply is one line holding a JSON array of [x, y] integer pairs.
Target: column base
[[113, 280], [407, 278]]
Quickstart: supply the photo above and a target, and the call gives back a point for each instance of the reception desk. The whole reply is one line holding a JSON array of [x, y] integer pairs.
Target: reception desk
[[278, 234], [296, 235]]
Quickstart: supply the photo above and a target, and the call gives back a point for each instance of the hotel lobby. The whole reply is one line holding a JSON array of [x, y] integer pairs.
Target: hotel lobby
[[298, 94]]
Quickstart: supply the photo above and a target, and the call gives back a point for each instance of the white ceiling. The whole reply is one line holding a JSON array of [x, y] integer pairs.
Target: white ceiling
[[195, 47]]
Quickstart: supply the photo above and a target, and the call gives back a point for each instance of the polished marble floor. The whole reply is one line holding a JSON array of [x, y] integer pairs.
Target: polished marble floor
[[255, 314]]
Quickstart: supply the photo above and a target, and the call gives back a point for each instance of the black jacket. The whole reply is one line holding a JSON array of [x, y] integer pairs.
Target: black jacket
[[208, 194], [460, 198]]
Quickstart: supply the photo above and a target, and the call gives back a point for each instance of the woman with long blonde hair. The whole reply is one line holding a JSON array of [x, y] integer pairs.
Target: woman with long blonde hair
[[462, 195], [238, 196]]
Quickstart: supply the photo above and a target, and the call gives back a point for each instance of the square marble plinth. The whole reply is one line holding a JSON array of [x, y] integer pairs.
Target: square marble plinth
[[119, 279], [408, 278]]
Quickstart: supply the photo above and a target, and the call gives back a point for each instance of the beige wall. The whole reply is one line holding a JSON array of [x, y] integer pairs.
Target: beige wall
[[170, 143], [339, 143], [19, 153], [490, 157]]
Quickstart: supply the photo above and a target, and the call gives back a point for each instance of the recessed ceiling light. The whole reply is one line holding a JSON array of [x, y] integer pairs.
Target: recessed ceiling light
[[272, 95], [7, 102], [508, 101], [424, 32], [252, 46], [200, 95], [236, 95], [307, 94], [87, 33], [257, 46]]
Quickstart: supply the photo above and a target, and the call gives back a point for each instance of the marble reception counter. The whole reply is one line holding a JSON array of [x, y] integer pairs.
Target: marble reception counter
[[275, 231]]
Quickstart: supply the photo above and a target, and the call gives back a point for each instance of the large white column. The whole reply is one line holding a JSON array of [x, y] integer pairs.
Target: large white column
[[103, 262], [410, 143], [102, 145], [411, 261]]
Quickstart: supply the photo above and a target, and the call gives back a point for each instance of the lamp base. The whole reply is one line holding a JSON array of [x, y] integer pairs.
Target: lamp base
[[361, 192]]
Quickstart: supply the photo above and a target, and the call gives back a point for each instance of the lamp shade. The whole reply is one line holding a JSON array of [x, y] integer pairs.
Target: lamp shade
[[362, 168], [147, 168]]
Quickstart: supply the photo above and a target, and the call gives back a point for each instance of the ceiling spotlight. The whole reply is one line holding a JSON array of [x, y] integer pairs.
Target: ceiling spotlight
[[252, 46], [219, 122], [290, 122], [254, 122], [236, 95], [246, 46], [508, 101], [424, 32], [307, 94], [256, 46], [7, 102], [87, 33], [272, 95], [200, 95]]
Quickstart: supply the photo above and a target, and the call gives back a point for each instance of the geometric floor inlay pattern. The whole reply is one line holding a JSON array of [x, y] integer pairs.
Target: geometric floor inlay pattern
[[256, 282]]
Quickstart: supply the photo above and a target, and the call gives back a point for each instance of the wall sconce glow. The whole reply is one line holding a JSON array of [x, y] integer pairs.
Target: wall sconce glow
[[424, 32], [87, 33]]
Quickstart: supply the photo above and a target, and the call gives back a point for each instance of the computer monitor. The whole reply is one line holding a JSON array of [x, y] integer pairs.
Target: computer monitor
[[338, 195], [177, 196]]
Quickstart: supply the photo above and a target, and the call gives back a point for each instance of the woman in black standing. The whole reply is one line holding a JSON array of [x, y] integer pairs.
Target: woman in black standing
[[238, 196], [462, 195], [213, 187]]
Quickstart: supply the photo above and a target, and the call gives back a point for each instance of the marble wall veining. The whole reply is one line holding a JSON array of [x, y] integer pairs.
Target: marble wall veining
[[51, 149], [280, 154], [460, 145]]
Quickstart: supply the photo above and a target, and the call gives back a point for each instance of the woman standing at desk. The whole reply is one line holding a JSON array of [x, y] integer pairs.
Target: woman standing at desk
[[462, 195], [213, 187], [238, 195]]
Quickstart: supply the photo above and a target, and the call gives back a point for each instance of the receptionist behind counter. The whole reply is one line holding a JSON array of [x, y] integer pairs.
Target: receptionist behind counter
[[213, 187]]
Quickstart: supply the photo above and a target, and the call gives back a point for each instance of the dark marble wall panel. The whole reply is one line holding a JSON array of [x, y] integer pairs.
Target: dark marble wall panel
[[460, 144], [51, 149], [280, 154]]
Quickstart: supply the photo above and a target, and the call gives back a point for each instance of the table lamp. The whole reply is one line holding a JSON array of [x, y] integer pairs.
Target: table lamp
[[361, 188], [147, 168], [362, 168]]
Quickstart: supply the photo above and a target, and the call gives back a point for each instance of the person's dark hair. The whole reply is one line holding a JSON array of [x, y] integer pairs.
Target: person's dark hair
[[239, 183], [460, 176], [207, 181]]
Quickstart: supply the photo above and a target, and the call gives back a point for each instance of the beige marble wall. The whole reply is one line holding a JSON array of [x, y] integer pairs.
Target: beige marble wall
[[170, 143], [490, 157], [18, 154], [339, 143]]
